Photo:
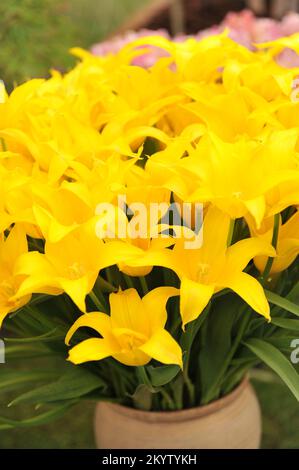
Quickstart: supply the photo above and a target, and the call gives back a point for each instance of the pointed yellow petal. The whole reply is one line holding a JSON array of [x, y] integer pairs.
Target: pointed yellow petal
[[77, 289], [34, 264], [3, 313], [93, 349], [257, 208], [15, 244], [96, 320], [52, 230], [239, 254], [194, 298], [42, 277], [215, 232], [155, 304], [251, 291], [127, 311], [162, 347]]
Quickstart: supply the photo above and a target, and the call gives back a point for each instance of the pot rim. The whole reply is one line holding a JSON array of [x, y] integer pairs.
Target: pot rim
[[181, 415]]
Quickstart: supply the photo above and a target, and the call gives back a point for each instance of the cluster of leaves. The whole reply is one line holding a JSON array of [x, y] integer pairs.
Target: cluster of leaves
[[34, 36]]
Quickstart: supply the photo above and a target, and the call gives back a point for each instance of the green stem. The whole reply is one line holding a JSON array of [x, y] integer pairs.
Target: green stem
[[189, 386], [128, 280], [167, 398], [270, 260], [97, 301], [109, 277], [102, 283], [144, 285]]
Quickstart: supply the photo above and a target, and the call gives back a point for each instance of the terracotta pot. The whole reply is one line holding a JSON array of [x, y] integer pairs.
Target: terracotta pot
[[233, 422]]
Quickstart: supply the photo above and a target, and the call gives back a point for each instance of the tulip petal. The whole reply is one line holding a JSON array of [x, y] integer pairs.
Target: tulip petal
[[77, 289], [155, 304], [251, 292], [127, 311], [162, 347], [95, 320], [93, 349], [194, 298], [239, 254], [3, 313], [257, 208], [15, 244], [214, 241]]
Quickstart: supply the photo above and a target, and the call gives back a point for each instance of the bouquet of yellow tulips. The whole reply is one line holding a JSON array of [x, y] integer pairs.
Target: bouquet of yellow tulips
[[149, 226]]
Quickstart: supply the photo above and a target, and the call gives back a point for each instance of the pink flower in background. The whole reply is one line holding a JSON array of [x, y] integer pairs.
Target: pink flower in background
[[115, 44], [243, 27]]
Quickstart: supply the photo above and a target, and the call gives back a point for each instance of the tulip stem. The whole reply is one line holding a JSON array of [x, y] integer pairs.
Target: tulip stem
[[189, 386], [109, 277], [144, 285], [270, 260], [167, 398], [128, 280], [97, 301]]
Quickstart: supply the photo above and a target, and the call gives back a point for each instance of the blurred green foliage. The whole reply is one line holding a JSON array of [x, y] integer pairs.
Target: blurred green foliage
[[75, 429], [35, 35]]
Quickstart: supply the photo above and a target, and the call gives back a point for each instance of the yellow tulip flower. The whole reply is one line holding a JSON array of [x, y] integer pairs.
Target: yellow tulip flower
[[239, 178], [287, 244], [215, 266], [71, 265], [11, 249], [133, 334]]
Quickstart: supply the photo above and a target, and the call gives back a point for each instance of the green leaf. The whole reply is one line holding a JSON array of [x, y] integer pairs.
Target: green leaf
[[143, 378], [286, 323], [142, 397], [177, 387], [281, 302], [283, 343], [43, 418], [10, 379], [73, 384], [276, 361], [293, 295], [217, 345], [162, 375], [27, 351], [37, 299], [192, 329], [49, 336]]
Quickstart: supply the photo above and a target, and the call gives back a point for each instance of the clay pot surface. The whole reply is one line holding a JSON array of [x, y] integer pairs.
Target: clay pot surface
[[232, 422]]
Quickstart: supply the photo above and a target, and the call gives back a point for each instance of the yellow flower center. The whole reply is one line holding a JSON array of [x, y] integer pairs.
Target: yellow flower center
[[203, 270], [128, 339], [76, 270], [7, 288]]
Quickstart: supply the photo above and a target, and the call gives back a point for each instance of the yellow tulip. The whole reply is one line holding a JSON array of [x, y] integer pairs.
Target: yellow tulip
[[71, 265], [239, 178], [133, 334], [215, 266], [11, 249], [287, 244]]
